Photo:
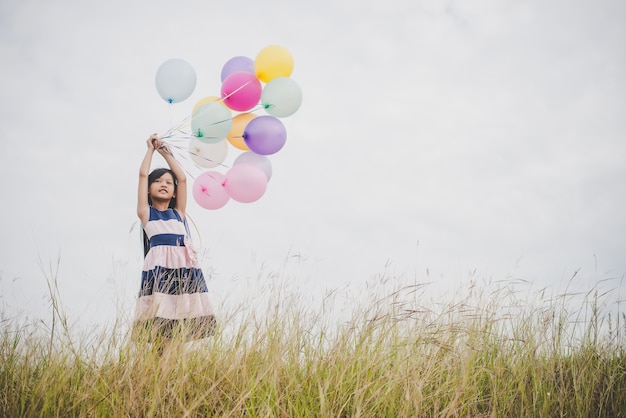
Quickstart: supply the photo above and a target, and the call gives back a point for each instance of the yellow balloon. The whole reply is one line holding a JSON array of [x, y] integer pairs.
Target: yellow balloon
[[207, 99], [273, 61], [235, 136]]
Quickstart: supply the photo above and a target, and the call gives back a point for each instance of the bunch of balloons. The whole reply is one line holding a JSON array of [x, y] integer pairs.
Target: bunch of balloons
[[218, 123]]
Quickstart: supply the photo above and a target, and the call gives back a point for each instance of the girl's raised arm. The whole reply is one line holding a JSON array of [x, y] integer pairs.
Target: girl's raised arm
[[143, 207], [181, 188]]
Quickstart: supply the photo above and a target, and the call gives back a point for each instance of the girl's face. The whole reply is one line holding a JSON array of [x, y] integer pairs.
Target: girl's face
[[162, 188]]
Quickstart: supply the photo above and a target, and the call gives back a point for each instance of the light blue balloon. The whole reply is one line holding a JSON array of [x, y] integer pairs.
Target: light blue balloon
[[175, 80]]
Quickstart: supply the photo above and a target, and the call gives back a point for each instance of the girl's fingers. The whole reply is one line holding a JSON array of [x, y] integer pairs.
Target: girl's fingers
[[153, 141], [159, 145]]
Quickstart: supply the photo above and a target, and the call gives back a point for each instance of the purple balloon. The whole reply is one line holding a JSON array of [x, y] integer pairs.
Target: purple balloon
[[237, 64], [265, 135]]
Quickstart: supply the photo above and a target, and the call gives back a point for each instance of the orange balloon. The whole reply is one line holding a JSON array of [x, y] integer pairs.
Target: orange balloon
[[235, 136]]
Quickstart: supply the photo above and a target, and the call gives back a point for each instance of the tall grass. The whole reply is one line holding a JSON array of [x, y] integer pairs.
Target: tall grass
[[485, 352]]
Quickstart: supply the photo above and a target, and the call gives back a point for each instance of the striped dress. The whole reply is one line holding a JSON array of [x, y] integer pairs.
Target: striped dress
[[173, 299]]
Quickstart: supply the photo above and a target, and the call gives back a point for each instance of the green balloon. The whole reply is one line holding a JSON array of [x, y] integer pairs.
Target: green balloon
[[211, 122], [281, 97]]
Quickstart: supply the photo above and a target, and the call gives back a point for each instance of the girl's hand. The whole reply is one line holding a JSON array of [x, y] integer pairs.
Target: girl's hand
[[163, 148], [154, 142]]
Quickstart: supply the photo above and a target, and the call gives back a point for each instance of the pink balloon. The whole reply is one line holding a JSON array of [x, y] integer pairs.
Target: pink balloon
[[255, 159], [265, 135], [241, 91], [208, 190], [245, 183]]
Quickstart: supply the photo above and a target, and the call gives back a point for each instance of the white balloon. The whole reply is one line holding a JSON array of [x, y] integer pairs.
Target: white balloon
[[175, 80], [208, 155]]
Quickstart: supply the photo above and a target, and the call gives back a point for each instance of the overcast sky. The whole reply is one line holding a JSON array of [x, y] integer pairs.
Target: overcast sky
[[438, 141]]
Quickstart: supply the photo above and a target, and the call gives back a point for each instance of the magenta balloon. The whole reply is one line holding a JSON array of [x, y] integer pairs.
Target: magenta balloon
[[265, 135], [245, 183], [236, 64], [208, 190], [241, 91]]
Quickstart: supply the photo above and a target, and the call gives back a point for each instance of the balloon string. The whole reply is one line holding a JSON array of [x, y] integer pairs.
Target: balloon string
[[171, 113], [173, 134], [187, 135], [236, 90], [182, 165], [258, 107], [176, 135], [176, 128], [195, 227]]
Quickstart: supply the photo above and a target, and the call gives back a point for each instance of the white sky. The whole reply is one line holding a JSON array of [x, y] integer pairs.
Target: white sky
[[490, 132]]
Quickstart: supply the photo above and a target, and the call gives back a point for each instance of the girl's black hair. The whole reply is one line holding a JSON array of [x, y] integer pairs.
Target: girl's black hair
[[152, 177]]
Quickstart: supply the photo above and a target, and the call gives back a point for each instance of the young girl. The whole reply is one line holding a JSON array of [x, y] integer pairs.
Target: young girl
[[173, 299]]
